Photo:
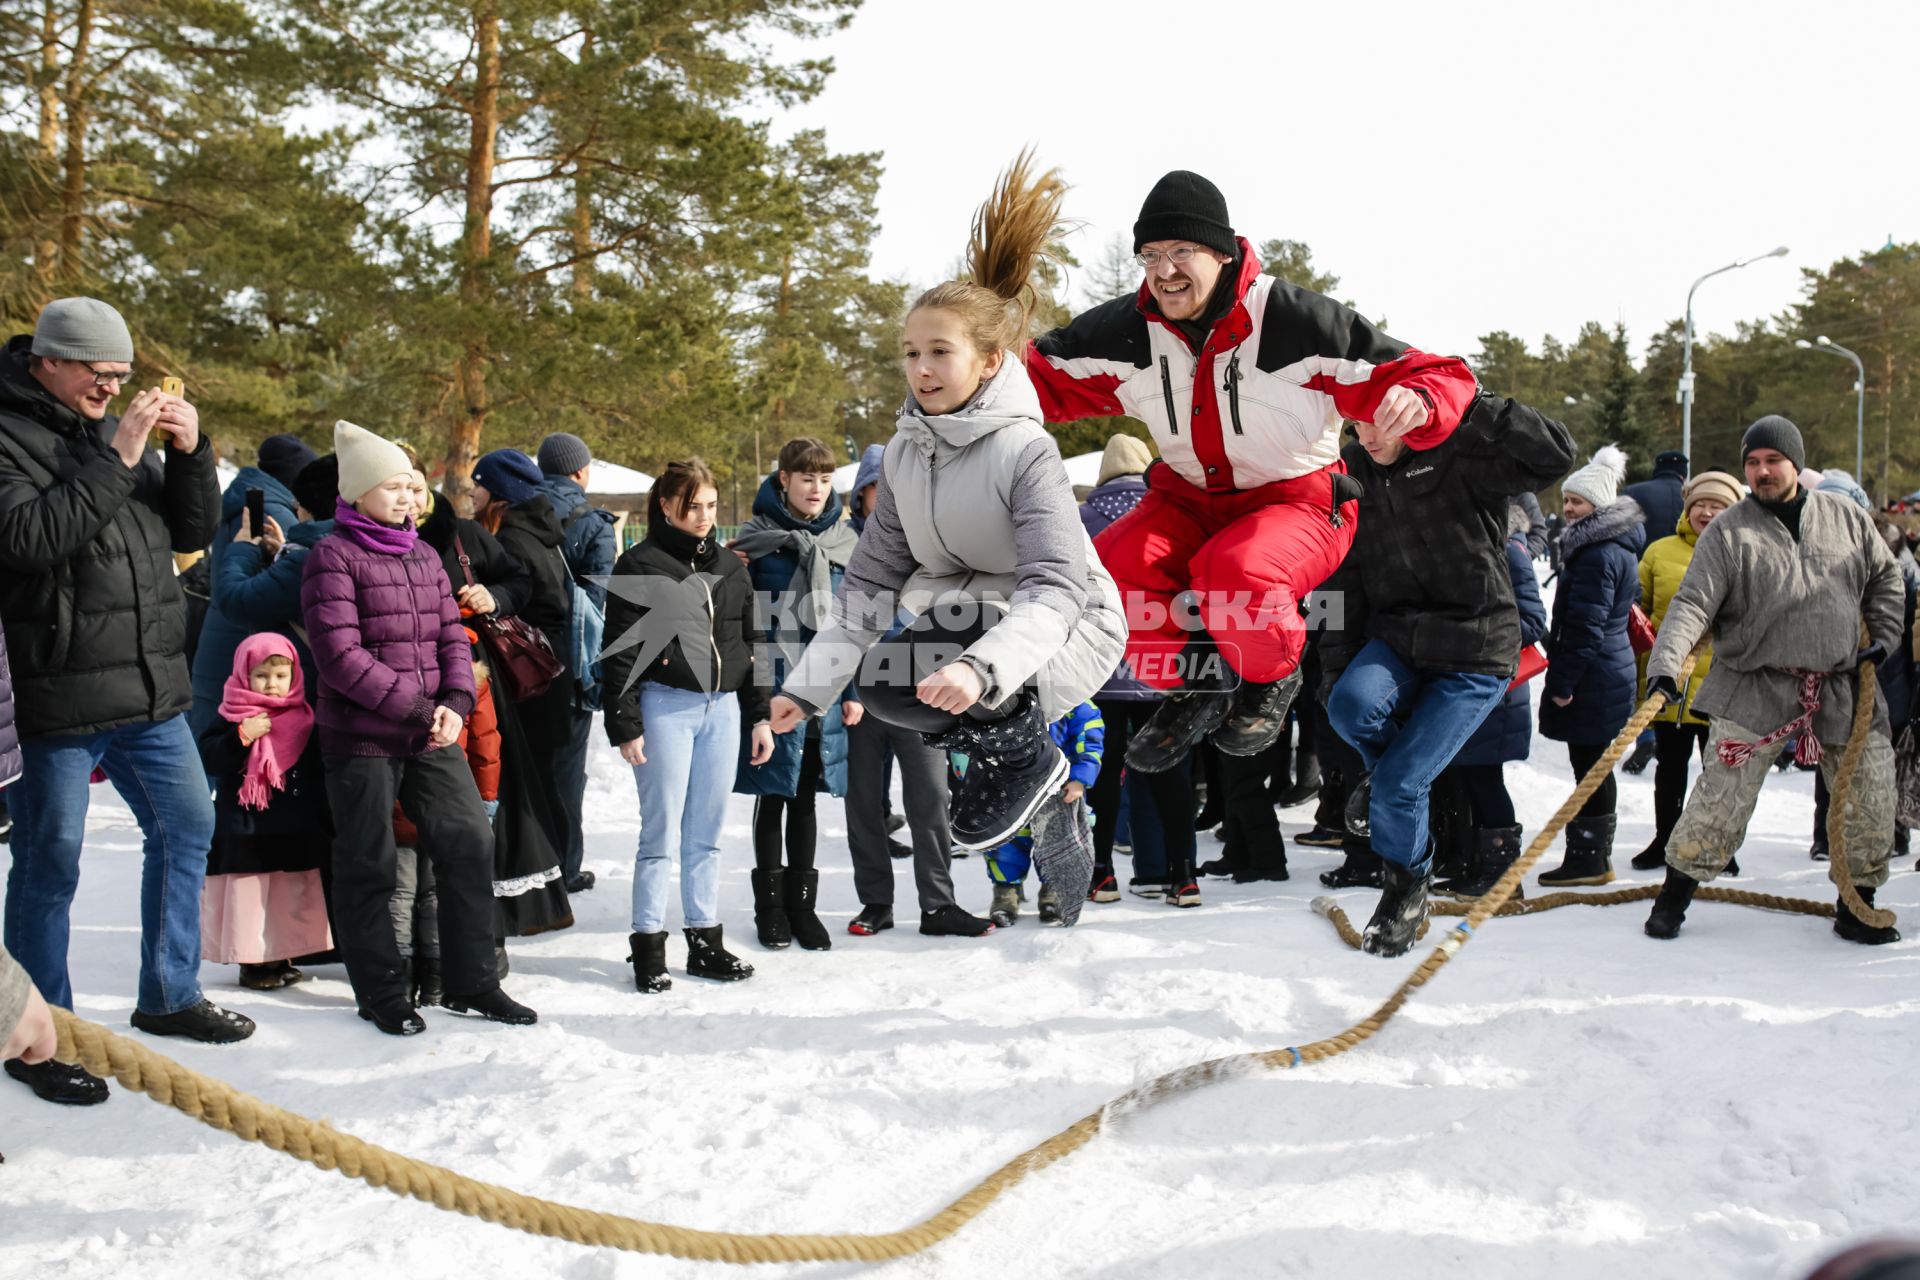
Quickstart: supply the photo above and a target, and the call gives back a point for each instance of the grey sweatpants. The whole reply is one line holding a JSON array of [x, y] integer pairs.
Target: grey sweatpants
[[923, 781]]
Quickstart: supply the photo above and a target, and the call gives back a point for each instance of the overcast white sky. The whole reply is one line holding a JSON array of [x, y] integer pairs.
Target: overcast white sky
[[1461, 167]]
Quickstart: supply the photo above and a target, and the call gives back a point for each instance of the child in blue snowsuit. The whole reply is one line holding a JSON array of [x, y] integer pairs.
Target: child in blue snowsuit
[[1061, 830]]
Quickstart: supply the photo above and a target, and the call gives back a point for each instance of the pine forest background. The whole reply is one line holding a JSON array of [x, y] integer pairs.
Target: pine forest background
[[469, 224]]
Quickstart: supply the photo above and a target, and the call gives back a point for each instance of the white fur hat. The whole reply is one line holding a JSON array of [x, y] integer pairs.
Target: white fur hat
[[366, 460], [1599, 481]]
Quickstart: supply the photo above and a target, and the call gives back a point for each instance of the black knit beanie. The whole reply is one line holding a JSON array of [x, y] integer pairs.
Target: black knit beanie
[[1777, 433], [1185, 206], [317, 486]]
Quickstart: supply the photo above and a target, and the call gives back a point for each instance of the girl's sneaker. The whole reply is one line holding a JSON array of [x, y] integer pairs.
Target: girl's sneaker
[[1187, 894], [1105, 887], [1147, 888], [951, 922]]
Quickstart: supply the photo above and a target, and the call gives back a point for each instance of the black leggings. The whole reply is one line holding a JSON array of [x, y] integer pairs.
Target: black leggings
[[1486, 789], [1674, 747], [802, 831], [1606, 796], [1172, 791]]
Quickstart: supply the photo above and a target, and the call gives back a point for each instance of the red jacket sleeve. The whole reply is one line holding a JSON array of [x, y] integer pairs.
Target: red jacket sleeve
[[1444, 382], [1067, 394], [481, 739]]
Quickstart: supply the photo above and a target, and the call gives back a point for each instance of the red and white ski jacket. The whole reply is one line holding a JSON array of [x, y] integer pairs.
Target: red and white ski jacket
[[1277, 374]]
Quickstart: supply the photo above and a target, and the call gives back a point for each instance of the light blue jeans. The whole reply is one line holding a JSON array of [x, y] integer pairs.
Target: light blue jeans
[[692, 746]]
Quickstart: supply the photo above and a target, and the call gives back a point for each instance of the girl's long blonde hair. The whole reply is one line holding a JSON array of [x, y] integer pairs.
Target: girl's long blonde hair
[[1015, 231]]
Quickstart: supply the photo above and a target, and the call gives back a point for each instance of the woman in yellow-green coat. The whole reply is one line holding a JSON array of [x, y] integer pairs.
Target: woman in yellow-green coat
[[1677, 732]]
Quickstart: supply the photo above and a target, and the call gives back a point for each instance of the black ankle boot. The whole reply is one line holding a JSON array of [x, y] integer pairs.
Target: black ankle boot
[[1652, 857], [1494, 850], [1670, 908], [1589, 856], [803, 895], [649, 960], [770, 920], [1854, 929], [1000, 772], [1396, 921], [707, 958], [429, 989], [1258, 717]]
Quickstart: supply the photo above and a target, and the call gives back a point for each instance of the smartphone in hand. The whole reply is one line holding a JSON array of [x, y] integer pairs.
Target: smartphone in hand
[[172, 387], [256, 512]]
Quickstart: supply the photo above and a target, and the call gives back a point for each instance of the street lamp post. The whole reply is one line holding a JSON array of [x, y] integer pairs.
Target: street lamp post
[[1823, 343], [1685, 395]]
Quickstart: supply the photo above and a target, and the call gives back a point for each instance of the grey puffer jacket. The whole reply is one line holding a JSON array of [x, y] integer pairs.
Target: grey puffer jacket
[[976, 505]]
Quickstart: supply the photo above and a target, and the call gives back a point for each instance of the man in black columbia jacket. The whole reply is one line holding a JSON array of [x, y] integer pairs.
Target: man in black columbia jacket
[[96, 627], [1427, 638]]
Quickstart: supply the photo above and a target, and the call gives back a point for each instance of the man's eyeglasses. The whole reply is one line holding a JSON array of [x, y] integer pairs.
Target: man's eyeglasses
[[1179, 257], [107, 377]]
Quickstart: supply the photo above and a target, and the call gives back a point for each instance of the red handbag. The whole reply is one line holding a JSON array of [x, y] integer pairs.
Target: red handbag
[[1532, 663], [1640, 632], [523, 659]]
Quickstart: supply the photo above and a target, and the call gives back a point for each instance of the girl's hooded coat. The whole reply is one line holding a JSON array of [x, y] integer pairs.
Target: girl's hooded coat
[[776, 576], [976, 504], [1588, 653], [1661, 569]]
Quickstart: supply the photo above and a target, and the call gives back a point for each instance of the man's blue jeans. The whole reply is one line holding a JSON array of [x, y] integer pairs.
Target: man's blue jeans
[[1407, 726], [155, 766]]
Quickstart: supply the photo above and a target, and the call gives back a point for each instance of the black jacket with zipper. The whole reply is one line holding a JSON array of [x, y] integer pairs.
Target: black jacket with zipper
[[669, 589], [1428, 570], [96, 624]]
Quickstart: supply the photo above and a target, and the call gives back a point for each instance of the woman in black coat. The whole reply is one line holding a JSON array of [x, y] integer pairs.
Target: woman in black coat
[[1591, 679], [508, 503], [526, 858]]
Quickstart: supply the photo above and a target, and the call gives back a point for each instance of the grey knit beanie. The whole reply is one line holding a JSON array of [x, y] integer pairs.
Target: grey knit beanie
[[562, 454], [82, 329], [1776, 433]]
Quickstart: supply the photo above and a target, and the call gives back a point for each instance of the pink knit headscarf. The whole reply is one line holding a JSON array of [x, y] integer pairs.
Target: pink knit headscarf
[[277, 750]]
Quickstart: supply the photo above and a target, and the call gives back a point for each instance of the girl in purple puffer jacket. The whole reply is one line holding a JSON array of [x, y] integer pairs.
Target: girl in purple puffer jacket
[[396, 682]]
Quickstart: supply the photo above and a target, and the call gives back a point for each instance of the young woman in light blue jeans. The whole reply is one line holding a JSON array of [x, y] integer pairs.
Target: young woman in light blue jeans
[[681, 677]]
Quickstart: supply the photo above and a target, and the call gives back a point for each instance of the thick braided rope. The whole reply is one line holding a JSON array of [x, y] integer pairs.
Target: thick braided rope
[[223, 1107], [1838, 871]]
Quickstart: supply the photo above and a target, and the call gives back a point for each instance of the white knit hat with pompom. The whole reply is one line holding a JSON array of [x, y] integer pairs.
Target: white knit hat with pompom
[[1599, 481]]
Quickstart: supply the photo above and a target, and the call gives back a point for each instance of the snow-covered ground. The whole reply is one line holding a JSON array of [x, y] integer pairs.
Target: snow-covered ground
[[1568, 1099]]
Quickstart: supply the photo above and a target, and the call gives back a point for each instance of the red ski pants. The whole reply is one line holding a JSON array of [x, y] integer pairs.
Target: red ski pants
[[1247, 558]]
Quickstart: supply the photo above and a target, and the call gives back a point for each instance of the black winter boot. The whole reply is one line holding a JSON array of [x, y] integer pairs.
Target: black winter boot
[[1361, 870], [428, 988], [770, 920], [1670, 908], [1651, 857], [1262, 861], [1258, 716], [1186, 716], [1306, 763], [803, 896], [1641, 756], [1589, 856], [1854, 929], [707, 958], [1000, 772], [399, 1019], [1402, 909], [1494, 849], [1359, 813], [649, 960]]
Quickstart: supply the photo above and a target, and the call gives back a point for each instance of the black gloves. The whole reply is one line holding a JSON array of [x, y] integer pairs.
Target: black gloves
[[1664, 684], [1874, 654]]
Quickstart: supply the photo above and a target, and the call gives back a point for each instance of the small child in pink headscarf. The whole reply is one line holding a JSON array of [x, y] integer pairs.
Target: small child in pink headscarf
[[264, 903]]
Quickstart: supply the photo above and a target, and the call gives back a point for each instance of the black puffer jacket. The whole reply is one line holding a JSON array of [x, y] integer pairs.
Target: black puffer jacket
[[96, 626], [504, 577], [1428, 570], [672, 585]]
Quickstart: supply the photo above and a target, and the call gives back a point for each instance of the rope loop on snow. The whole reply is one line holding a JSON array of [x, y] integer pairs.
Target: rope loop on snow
[[221, 1106]]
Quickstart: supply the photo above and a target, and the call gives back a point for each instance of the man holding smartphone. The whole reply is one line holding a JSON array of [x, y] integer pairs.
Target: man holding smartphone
[[96, 629]]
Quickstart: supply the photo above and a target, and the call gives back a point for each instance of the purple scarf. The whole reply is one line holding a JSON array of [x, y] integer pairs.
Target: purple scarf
[[371, 534]]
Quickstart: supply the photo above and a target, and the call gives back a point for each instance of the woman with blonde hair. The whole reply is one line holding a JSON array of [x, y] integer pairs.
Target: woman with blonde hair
[[974, 609]]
